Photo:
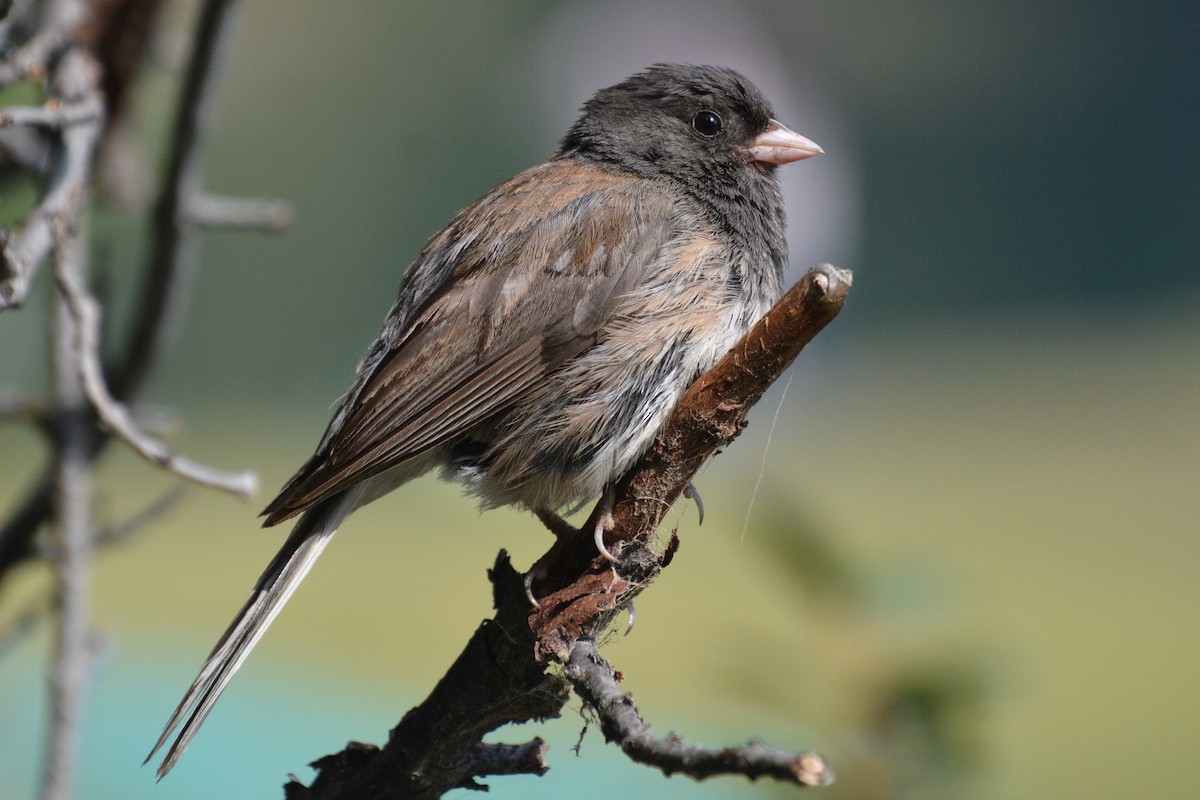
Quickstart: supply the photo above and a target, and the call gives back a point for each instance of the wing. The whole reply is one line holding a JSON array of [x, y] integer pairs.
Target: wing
[[519, 283]]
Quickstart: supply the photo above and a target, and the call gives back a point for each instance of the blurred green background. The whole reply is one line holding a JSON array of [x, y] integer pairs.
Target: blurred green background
[[957, 556]]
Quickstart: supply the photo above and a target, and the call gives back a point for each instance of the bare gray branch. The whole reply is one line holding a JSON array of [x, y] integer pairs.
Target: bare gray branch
[[86, 313], [77, 76], [124, 529], [52, 34], [596, 684], [166, 272], [71, 542], [54, 115], [218, 212]]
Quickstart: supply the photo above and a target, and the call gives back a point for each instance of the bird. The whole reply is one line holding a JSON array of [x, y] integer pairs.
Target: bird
[[540, 340]]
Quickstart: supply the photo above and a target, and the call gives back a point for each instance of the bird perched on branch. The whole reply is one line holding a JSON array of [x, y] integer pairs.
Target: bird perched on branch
[[543, 337]]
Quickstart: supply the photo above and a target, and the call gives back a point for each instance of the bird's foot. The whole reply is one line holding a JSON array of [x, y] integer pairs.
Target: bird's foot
[[567, 538]]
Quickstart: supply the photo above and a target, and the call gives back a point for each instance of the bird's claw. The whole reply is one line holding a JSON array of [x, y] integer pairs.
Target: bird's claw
[[527, 581], [692, 493], [603, 526]]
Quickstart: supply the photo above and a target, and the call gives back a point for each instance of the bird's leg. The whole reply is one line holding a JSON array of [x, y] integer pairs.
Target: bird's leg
[[564, 530], [566, 535], [561, 529], [692, 493]]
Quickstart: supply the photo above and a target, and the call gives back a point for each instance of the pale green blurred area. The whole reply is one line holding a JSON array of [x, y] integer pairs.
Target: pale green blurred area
[[961, 564]]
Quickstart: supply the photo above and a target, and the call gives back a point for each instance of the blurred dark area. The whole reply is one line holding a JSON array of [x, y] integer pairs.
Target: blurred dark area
[[1034, 157]]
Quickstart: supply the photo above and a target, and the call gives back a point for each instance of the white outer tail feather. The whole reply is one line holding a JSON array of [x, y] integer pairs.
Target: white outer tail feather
[[309, 537]]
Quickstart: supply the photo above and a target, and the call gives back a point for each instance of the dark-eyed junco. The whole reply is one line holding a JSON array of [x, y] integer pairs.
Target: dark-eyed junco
[[542, 338]]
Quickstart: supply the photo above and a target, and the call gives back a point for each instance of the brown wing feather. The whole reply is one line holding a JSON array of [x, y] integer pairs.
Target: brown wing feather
[[514, 307]]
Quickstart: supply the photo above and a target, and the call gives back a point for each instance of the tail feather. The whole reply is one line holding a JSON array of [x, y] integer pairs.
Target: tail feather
[[293, 561]]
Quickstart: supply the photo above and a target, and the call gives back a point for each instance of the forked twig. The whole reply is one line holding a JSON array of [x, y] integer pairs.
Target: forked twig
[[86, 313]]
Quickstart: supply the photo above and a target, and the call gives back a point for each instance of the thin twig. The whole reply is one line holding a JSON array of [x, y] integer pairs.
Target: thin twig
[[596, 684], [138, 521], [220, 212], [54, 115], [28, 151], [172, 256], [166, 272], [53, 32], [86, 312], [77, 75]]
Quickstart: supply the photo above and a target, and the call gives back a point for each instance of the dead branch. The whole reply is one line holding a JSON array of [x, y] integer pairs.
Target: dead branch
[[85, 312], [494, 681], [52, 33], [59, 207], [165, 274], [125, 529], [71, 544], [596, 684], [217, 212], [54, 115], [505, 674]]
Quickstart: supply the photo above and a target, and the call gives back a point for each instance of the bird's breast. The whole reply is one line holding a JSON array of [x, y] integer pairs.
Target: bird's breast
[[587, 423]]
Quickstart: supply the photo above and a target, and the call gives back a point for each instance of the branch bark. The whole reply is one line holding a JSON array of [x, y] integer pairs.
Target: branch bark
[[494, 681], [595, 682], [507, 672]]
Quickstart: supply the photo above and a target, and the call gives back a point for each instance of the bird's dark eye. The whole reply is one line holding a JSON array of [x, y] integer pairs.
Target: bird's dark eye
[[706, 123]]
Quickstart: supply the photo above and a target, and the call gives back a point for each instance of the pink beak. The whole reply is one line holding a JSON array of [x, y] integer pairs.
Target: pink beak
[[778, 144]]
